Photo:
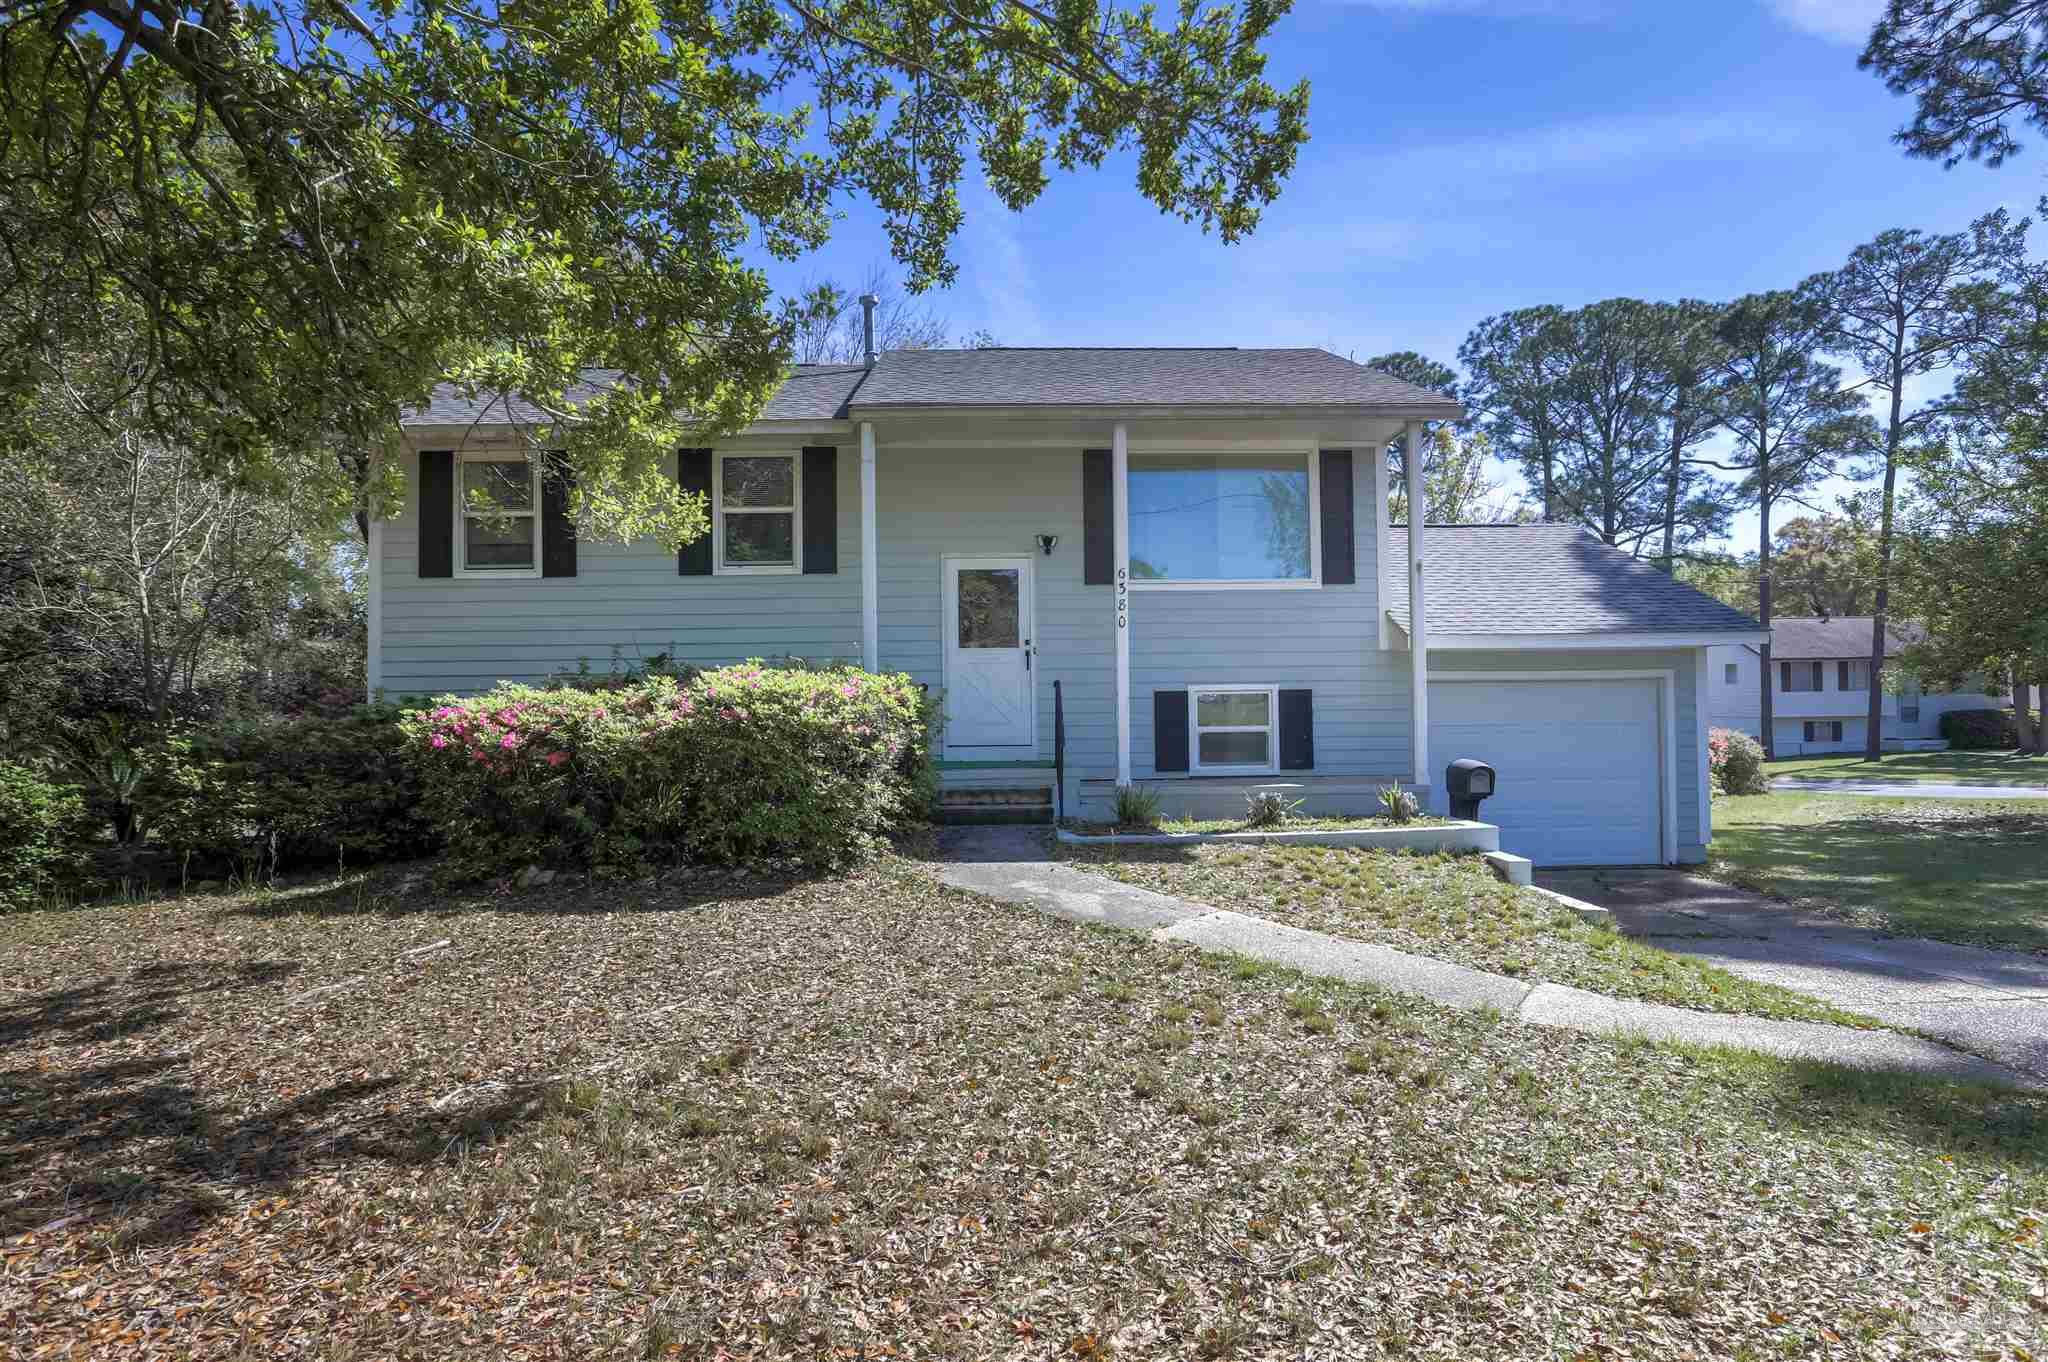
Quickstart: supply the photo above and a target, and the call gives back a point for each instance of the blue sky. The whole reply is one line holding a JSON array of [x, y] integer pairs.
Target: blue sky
[[1470, 156]]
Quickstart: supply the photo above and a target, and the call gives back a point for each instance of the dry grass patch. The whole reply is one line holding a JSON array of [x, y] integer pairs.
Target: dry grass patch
[[874, 1117], [1450, 907]]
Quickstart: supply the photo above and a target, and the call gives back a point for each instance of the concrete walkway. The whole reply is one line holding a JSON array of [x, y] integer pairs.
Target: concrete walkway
[[1898, 789], [1015, 865], [1994, 1003]]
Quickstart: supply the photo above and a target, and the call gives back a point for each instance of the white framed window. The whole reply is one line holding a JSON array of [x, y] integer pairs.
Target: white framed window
[[1854, 675], [1233, 729], [1824, 730], [1731, 673], [756, 526], [1797, 677], [497, 514], [1236, 519]]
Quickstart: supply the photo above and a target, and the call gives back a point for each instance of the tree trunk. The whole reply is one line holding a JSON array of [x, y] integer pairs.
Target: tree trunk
[[2022, 720], [1873, 737], [1672, 476], [2041, 729]]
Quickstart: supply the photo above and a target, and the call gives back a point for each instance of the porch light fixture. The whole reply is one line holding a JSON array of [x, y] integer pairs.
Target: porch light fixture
[[1047, 543]]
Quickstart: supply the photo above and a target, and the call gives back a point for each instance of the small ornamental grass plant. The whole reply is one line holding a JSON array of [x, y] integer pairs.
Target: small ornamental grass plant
[[741, 764]]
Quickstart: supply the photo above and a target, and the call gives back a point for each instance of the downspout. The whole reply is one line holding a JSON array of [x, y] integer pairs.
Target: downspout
[[1418, 619]]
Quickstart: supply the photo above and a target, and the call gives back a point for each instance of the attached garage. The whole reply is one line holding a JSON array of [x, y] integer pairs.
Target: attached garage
[[1585, 778]]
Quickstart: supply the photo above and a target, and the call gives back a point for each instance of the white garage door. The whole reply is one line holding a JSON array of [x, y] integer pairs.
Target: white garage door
[[1579, 779]]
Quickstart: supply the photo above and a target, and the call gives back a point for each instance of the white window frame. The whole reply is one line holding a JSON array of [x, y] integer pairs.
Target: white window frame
[[1271, 728], [794, 511], [1731, 673], [1314, 581], [1850, 664], [533, 513], [1807, 734]]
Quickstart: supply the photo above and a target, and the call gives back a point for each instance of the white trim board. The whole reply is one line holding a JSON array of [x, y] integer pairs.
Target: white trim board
[[1699, 716], [1515, 643], [1667, 704]]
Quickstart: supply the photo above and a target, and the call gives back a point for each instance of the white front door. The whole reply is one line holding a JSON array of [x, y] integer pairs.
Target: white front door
[[988, 623]]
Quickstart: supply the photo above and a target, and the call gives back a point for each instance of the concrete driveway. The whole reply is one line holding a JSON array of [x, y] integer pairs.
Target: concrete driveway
[[1906, 789], [1993, 1003]]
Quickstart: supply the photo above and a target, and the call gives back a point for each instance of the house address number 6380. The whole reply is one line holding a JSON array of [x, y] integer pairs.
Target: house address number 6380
[[1123, 598]]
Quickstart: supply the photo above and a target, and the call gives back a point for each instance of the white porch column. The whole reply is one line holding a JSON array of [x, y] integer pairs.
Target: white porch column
[[870, 569], [1418, 622], [1120, 513], [373, 609], [1382, 518]]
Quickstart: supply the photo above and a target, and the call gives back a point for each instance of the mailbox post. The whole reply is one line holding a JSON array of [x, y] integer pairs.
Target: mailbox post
[[1468, 781]]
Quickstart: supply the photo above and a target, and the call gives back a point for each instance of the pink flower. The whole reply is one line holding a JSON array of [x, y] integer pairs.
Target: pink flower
[[440, 741], [850, 689], [509, 741], [728, 713], [557, 758]]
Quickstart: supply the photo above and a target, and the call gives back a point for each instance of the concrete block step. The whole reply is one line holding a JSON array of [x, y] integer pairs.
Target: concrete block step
[[990, 815], [980, 796]]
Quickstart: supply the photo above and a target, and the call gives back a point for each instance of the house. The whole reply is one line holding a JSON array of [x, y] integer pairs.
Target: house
[[1166, 567], [1820, 689]]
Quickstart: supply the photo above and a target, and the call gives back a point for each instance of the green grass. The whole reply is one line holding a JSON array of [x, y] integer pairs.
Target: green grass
[[1448, 907], [944, 1143], [1918, 768], [1966, 870]]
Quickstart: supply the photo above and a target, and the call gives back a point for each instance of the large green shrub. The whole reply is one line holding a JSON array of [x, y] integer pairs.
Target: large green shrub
[[282, 792], [40, 824], [739, 764], [1736, 762], [1980, 730]]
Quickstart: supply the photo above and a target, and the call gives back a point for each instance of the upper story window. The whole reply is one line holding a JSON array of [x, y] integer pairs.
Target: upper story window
[[497, 505], [1798, 676], [1223, 519], [1731, 673], [755, 513], [1853, 675]]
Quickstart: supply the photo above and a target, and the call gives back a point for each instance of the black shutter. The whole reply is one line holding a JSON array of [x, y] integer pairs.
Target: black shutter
[[1339, 568], [1816, 676], [1098, 524], [557, 530], [437, 513], [821, 509], [1169, 730], [1298, 727], [693, 475], [1784, 678]]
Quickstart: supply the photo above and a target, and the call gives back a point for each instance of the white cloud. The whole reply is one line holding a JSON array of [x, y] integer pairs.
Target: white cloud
[[1842, 21], [1541, 9], [1594, 145]]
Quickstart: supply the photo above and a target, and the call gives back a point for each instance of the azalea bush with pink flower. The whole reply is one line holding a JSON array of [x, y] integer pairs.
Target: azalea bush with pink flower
[[1736, 762], [743, 763]]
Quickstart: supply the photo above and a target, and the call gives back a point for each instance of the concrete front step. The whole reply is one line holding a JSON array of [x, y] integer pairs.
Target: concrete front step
[[994, 815], [982, 795]]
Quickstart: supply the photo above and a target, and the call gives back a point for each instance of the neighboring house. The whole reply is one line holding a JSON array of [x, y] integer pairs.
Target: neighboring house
[[1172, 556], [1820, 689]]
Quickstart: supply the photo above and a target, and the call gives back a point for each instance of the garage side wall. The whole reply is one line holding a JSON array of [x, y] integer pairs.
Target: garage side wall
[[1681, 662]]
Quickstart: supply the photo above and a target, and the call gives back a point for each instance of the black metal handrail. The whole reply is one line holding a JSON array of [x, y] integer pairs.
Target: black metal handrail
[[1059, 753]]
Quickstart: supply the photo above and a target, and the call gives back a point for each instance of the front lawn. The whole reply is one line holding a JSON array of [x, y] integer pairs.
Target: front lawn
[[1449, 907], [1919, 768], [873, 1117], [1967, 870]]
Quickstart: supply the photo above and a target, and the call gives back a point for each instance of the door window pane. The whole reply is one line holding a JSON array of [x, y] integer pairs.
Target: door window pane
[[1234, 749], [1232, 709], [1219, 517], [989, 608], [760, 540], [769, 481]]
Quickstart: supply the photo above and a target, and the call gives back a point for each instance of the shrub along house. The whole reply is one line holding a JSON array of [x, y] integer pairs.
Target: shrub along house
[[1156, 566]]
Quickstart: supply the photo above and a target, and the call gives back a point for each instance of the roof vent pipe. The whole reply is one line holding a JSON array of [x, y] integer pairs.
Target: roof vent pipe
[[867, 328]]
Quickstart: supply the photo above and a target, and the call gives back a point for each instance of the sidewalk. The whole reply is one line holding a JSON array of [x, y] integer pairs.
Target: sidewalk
[[1013, 864], [1892, 789]]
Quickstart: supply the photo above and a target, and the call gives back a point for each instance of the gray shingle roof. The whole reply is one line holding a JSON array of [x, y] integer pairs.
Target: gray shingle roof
[[1843, 636], [1020, 378], [814, 392], [1081, 377], [1548, 579]]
